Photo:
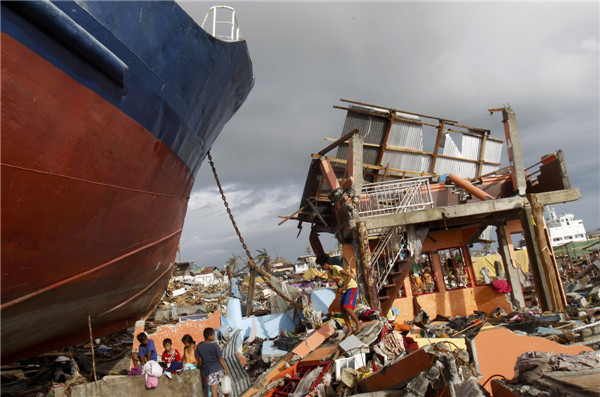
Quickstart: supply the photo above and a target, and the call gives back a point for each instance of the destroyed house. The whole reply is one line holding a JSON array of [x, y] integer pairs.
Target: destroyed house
[[407, 195]]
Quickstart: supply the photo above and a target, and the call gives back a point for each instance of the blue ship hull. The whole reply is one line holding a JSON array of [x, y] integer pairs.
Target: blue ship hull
[[108, 109]]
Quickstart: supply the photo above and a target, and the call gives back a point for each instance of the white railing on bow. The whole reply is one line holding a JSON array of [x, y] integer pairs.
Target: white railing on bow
[[225, 29], [391, 197]]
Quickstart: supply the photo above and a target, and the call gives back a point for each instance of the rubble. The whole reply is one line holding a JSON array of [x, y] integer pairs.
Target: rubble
[[452, 355]]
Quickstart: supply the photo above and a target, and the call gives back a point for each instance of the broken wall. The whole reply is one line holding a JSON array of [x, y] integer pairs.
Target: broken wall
[[175, 332]]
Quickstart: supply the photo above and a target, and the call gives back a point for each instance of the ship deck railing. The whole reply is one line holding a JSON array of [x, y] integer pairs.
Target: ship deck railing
[[226, 29]]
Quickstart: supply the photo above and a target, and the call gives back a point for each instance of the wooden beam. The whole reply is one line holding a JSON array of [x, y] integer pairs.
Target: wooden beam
[[407, 150], [385, 139], [285, 218], [481, 154], [551, 283], [395, 110], [558, 196], [467, 210], [338, 142], [383, 116], [375, 167], [436, 150]]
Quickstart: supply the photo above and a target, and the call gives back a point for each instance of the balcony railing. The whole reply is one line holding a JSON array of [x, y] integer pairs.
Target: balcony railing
[[386, 198]]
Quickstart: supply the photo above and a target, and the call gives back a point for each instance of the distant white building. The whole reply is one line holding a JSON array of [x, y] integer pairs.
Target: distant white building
[[564, 229]]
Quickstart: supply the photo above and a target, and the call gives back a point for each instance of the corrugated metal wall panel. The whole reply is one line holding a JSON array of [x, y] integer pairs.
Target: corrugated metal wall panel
[[405, 134], [486, 169], [448, 147], [371, 128], [465, 169], [471, 147], [493, 151], [405, 161]]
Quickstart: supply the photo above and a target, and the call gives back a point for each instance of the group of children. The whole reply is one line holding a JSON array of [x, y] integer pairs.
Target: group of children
[[206, 355]]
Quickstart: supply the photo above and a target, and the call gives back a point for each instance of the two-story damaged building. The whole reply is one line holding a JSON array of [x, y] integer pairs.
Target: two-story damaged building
[[407, 195]]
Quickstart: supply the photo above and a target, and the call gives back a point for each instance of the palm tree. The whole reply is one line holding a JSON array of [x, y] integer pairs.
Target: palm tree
[[264, 260], [233, 262]]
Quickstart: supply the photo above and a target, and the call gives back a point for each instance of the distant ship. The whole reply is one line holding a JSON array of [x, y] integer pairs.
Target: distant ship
[[565, 228], [108, 110]]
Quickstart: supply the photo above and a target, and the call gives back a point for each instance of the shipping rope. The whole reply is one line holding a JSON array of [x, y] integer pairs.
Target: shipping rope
[[251, 263]]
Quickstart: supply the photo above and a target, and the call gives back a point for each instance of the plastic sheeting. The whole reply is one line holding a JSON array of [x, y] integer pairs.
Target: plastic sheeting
[[278, 304]]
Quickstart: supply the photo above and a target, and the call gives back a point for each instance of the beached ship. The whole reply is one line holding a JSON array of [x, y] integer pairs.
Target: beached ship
[[108, 110]]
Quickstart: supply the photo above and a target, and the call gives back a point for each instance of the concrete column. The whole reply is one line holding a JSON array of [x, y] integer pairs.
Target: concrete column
[[512, 275], [515, 154]]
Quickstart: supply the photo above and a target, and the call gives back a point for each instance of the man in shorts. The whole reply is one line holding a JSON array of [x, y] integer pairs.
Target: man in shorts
[[346, 286], [210, 359]]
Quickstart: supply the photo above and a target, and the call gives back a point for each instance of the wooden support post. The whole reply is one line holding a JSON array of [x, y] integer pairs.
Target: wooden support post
[[546, 278], [482, 154], [542, 238], [512, 274], [365, 256], [250, 291], [438, 141]]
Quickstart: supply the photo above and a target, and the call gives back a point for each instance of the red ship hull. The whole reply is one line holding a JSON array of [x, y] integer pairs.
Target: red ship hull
[[82, 184]]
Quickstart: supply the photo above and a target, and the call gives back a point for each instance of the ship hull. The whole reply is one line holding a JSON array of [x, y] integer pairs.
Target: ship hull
[[94, 190]]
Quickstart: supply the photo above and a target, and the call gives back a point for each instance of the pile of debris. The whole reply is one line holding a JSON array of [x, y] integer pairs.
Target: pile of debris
[[283, 350]]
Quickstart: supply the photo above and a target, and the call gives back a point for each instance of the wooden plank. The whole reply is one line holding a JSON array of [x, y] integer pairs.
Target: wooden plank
[[338, 142], [285, 218], [558, 196], [436, 150], [395, 110], [375, 167]]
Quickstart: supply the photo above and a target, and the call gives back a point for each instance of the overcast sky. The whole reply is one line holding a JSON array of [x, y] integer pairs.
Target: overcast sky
[[451, 60]]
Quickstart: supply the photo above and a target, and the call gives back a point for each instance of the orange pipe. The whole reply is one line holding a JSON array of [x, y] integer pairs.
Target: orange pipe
[[475, 191]]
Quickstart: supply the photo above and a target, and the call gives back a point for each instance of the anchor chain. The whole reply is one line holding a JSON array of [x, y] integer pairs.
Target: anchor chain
[[251, 263]]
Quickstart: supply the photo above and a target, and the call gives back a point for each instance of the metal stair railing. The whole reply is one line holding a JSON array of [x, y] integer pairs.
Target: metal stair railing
[[387, 253], [386, 198]]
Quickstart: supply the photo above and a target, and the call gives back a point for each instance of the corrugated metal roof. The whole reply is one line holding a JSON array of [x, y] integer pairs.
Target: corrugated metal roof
[[406, 132]]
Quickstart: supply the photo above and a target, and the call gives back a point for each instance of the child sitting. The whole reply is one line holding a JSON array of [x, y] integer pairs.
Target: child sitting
[[171, 358], [147, 350], [189, 358]]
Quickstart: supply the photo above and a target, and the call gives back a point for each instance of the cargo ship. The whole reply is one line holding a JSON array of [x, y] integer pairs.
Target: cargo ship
[[108, 110]]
